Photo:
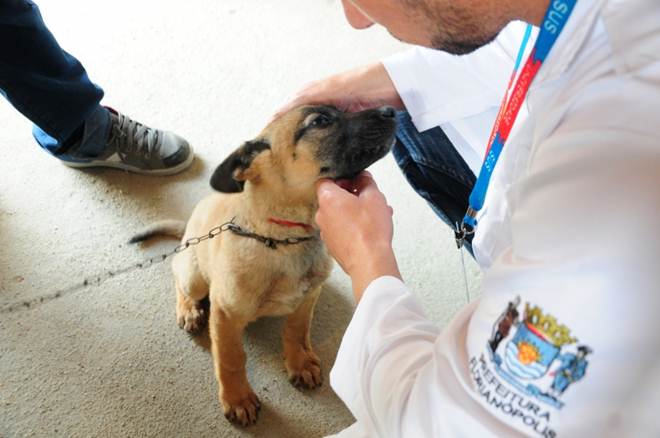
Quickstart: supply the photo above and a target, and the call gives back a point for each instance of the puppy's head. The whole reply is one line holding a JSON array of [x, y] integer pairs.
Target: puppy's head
[[307, 144]]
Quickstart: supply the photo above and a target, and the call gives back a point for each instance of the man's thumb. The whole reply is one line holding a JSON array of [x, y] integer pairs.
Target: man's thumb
[[328, 191]]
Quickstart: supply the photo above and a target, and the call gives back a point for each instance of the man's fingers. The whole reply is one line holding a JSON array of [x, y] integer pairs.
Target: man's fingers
[[324, 184], [301, 97], [332, 199], [362, 181], [311, 93], [291, 103], [365, 186], [345, 184], [328, 192], [357, 184]]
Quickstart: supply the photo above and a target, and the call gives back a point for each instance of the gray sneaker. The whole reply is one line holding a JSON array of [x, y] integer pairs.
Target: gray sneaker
[[137, 148]]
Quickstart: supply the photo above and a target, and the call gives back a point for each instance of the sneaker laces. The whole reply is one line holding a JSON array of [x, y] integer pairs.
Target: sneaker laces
[[132, 139]]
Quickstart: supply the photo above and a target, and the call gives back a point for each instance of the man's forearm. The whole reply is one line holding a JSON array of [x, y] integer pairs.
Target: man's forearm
[[380, 263]]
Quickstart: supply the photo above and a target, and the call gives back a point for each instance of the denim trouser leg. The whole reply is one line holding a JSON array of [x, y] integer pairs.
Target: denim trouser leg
[[435, 170], [42, 81]]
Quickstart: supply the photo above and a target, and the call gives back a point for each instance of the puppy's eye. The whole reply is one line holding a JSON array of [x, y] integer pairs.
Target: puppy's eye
[[320, 121], [311, 123]]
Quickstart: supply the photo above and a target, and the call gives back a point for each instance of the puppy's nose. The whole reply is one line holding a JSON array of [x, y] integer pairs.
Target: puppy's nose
[[387, 112]]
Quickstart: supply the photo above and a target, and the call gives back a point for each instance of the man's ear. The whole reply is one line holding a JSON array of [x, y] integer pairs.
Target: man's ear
[[228, 177]]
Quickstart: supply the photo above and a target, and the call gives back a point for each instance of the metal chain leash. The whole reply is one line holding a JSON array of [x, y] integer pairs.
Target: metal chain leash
[[269, 241], [96, 280]]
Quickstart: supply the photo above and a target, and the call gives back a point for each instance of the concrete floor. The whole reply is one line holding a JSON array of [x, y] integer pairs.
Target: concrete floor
[[110, 361]]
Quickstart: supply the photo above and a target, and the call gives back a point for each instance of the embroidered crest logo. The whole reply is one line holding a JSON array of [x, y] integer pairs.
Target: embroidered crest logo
[[539, 342]]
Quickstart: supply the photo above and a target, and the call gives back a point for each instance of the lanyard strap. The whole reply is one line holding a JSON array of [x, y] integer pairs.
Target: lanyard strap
[[553, 23], [514, 73]]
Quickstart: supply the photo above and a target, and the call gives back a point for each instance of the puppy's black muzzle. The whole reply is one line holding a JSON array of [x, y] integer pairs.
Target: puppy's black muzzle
[[367, 137]]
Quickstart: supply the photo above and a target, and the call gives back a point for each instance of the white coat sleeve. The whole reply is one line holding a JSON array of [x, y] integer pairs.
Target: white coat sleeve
[[401, 376]]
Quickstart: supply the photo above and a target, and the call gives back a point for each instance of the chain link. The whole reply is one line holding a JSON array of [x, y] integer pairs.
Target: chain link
[[269, 241], [210, 235]]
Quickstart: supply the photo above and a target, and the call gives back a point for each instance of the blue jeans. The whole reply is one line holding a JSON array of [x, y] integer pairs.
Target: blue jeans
[[48, 85], [435, 170]]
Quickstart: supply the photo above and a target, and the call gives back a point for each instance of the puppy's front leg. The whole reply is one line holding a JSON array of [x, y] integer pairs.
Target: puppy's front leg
[[302, 365], [239, 403]]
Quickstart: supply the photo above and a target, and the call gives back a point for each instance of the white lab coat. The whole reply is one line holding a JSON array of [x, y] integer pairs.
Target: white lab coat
[[570, 227]]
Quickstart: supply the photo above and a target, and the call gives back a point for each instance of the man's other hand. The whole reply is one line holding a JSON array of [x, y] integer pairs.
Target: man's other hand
[[355, 90], [356, 226]]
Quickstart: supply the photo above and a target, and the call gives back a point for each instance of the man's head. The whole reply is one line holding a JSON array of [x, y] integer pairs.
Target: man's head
[[454, 26]]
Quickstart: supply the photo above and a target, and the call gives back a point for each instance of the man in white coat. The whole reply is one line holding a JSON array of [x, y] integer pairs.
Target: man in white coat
[[569, 224]]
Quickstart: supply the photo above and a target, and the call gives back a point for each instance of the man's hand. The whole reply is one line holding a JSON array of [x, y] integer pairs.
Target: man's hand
[[356, 226], [355, 90]]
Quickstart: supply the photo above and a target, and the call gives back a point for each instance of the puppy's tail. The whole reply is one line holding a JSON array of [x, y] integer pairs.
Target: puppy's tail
[[171, 228]]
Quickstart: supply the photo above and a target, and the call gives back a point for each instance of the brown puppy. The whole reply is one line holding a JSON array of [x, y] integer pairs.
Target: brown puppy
[[267, 188]]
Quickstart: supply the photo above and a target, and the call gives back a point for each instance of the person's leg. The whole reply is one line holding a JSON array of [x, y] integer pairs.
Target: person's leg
[[45, 83], [435, 170], [51, 88]]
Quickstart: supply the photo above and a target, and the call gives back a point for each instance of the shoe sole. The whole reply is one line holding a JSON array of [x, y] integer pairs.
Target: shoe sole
[[121, 166]]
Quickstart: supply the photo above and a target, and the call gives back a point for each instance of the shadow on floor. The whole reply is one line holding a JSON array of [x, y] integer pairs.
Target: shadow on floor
[[331, 316]]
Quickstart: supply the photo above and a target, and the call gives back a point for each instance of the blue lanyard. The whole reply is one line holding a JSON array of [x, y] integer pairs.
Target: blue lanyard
[[553, 23]]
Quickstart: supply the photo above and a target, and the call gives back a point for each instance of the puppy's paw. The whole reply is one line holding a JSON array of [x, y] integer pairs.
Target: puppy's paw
[[191, 316], [304, 369], [242, 409]]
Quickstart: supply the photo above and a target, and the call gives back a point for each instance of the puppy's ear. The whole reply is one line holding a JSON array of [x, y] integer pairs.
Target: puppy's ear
[[230, 176]]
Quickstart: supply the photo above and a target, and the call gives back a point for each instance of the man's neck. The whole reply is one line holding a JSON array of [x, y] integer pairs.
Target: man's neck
[[531, 11]]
